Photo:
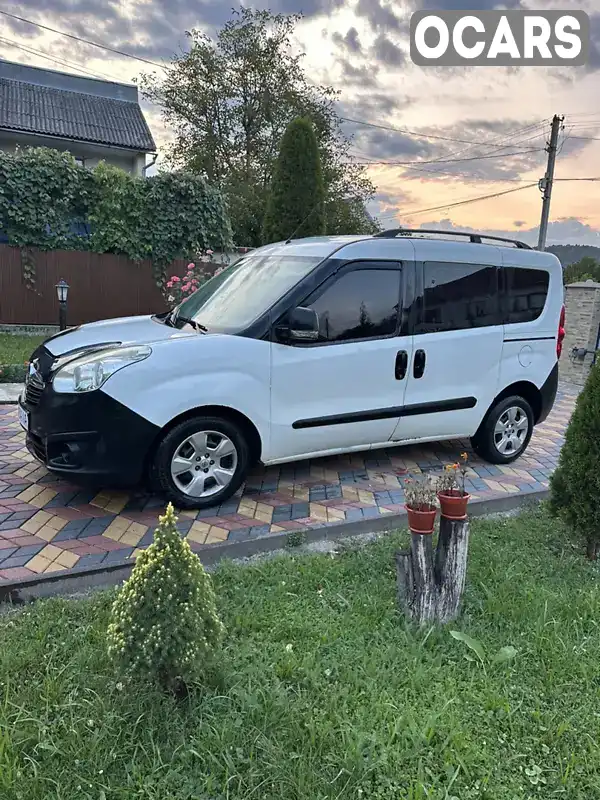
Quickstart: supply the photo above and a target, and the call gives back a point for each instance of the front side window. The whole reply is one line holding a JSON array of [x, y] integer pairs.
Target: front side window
[[458, 296], [361, 304], [238, 296], [525, 293]]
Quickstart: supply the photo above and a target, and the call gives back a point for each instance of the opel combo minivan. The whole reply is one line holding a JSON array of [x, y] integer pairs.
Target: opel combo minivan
[[301, 349]]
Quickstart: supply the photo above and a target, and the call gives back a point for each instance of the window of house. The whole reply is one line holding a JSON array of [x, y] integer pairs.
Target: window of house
[[361, 304], [525, 293], [458, 296]]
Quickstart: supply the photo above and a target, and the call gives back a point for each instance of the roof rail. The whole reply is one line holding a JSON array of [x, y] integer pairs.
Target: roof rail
[[476, 238]]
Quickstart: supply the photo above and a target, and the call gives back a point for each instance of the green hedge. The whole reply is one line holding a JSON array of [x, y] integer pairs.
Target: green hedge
[[12, 373]]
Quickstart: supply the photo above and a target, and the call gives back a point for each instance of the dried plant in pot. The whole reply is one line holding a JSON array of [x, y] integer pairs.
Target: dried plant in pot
[[419, 496], [451, 491]]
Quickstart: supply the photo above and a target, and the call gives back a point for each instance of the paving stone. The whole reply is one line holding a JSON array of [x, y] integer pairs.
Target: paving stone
[[47, 524]]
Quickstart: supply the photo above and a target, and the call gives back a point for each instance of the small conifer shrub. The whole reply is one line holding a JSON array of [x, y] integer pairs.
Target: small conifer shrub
[[164, 624], [575, 485]]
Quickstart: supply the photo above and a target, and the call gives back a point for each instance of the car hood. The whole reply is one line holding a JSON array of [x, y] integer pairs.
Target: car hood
[[121, 331]]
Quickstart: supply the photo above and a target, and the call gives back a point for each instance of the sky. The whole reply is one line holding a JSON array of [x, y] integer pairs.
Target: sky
[[431, 136]]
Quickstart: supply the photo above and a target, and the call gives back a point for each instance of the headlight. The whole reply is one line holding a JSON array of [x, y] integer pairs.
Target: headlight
[[87, 373]]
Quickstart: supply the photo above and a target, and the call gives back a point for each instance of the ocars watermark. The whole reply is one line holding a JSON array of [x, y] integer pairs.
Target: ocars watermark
[[502, 38]]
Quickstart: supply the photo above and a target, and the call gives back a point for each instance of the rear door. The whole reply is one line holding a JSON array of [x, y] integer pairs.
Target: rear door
[[457, 343], [532, 304], [346, 390]]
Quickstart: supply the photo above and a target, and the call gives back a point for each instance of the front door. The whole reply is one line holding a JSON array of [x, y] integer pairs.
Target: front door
[[345, 390], [457, 344]]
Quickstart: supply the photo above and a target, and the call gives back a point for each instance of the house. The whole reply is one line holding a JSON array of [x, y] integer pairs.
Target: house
[[95, 120]]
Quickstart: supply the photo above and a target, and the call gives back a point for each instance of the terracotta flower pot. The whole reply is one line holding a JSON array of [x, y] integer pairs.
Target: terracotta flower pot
[[453, 504], [421, 521]]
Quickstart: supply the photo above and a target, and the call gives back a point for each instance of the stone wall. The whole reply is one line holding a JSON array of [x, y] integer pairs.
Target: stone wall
[[582, 303]]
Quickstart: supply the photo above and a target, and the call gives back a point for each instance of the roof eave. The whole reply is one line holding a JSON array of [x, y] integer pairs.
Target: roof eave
[[82, 141]]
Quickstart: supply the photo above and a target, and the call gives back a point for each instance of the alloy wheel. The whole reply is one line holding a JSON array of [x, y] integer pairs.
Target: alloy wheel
[[204, 464]]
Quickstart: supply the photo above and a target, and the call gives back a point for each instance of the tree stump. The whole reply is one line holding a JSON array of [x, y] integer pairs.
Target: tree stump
[[431, 585]]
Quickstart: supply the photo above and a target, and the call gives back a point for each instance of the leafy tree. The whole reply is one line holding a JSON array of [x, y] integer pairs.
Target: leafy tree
[[575, 485], [296, 201], [229, 101], [164, 624], [582, 270]]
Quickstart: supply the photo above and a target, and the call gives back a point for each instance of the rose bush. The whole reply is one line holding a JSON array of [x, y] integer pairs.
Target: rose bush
[[180, 288]]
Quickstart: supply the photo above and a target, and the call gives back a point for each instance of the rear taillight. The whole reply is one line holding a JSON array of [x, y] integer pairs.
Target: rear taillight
[[561, 333]]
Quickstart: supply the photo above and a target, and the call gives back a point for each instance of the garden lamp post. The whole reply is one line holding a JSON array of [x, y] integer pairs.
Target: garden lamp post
[[62, 290]]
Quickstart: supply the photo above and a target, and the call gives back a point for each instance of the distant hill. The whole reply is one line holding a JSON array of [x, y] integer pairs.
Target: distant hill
[[571, 253]]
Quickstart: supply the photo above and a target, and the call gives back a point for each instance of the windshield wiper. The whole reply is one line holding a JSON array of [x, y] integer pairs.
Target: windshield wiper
[[173, 318], [195, 325]]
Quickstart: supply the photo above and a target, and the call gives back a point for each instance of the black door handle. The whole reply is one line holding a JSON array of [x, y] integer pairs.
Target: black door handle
[[401, 364], [419, 364]]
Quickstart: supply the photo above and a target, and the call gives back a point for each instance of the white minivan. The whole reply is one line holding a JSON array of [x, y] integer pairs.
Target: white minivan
[[301, 349]]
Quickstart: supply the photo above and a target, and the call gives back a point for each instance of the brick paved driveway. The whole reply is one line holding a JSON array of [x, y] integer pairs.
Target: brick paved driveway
[[48, 525]]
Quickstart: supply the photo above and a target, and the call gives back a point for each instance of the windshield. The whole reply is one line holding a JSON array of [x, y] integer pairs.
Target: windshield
[[236, 297]]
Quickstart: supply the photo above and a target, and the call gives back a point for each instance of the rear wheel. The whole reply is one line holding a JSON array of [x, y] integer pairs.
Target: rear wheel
[[505, 432], [201, 462]]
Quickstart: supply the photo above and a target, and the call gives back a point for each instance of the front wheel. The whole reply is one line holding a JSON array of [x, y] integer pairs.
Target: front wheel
[[201, 462], [505, 432]]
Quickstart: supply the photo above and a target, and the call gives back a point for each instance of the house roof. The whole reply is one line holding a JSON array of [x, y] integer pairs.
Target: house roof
[[51, 111]]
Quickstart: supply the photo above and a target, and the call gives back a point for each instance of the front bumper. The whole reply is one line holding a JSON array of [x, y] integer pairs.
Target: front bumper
[[87, 436]]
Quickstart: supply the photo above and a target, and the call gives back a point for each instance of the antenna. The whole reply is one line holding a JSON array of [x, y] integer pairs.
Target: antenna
[[304, 221]]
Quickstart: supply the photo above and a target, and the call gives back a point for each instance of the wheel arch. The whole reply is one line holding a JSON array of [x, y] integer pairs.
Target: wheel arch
[[525, 389], [233, 415]]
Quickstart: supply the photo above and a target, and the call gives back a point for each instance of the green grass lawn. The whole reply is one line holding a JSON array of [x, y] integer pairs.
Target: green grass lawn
[[16, 349], [322, 691]]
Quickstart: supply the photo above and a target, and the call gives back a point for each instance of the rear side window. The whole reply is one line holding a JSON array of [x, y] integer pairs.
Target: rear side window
[[361, 304], [525, 293], [458, 296]]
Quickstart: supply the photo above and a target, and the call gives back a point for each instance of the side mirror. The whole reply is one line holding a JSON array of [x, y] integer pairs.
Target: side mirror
[[303, 324]]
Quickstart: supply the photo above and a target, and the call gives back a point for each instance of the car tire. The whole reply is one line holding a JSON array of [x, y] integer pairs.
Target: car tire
[[505, 432], [188, 468]]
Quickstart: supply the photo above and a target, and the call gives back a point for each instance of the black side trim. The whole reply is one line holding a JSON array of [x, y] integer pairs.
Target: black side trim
[[414, 410], [457, 404], [548, 394], [532, 339]]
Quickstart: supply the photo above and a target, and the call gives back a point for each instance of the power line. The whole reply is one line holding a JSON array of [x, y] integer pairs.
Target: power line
[[457, 174], [408, 132], [456, 160], [586, 138], [60, 61], [463, 202], [481, 197], [504, 141], [80, 39]]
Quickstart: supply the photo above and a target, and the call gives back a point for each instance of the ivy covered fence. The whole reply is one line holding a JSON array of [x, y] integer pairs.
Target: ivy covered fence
[[49, 202]]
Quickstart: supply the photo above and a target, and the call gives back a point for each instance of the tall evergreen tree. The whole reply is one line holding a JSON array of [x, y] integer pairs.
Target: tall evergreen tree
[[575, 485], [296, 201]]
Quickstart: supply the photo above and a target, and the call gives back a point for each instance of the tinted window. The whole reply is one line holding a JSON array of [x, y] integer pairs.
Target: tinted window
[[362, 304], [458, 296], [525, 293]]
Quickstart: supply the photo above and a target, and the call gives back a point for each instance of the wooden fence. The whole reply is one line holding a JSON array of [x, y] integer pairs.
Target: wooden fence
[[102, 286]]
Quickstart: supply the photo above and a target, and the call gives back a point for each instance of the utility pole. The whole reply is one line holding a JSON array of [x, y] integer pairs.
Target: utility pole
[[545, 183]]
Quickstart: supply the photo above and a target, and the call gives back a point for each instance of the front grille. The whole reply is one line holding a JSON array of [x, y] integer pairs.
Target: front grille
[[33, 389]]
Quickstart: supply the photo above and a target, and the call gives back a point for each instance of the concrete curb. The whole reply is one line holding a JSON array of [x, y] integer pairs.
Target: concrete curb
[[77, 580]]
